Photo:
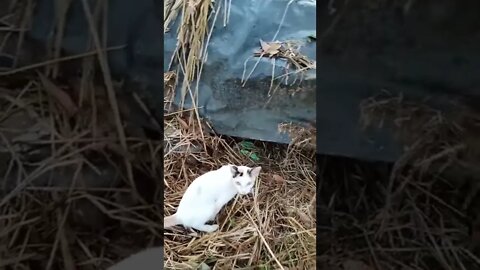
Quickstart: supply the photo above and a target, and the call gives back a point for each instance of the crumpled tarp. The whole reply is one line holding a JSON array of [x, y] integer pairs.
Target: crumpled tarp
[[245, 111], [418, 49], [422, 50], [230, 108]]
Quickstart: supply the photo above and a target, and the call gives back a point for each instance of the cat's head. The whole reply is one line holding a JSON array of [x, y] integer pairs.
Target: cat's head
[[244, 178]]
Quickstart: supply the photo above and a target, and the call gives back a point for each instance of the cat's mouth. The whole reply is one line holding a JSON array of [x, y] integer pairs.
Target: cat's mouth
[[246, 192]]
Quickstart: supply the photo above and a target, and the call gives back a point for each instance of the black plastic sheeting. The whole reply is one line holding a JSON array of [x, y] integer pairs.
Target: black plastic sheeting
[[135, 25], [138, 26], [421, 49], [244, 111], [231, 109]]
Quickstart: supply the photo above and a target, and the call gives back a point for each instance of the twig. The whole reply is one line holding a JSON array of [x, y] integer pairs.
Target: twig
[[265, 242], [53, 61], [110, 92]]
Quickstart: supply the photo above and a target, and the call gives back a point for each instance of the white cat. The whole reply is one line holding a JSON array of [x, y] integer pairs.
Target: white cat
[[208, 193]]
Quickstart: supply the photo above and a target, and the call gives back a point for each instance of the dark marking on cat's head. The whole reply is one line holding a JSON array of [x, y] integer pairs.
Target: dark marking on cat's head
[[235, 171]]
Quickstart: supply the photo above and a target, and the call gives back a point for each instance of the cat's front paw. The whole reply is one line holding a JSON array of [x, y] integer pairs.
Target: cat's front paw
[[206, 228], [211, 228]]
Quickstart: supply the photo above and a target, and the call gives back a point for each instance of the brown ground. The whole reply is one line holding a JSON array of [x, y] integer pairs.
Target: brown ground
[[274, 229]]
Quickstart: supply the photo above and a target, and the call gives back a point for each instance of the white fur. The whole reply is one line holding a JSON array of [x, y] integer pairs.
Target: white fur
[[208, 193]]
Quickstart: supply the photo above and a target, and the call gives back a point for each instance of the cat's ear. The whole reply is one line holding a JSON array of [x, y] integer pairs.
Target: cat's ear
[[234, 170], [254, 172]]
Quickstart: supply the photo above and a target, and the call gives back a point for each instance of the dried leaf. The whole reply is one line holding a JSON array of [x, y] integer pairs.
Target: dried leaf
[[264, 45], [279, 179], [303, 217], [270, 49], [62, 97], [182, 123]]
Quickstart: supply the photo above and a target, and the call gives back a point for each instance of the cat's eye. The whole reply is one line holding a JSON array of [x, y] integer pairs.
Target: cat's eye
[[237, 183], [241, 174], [249, 183]]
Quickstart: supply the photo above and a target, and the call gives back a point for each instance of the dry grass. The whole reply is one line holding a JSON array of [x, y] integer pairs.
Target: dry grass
[[72, 171], [301, 136], [270, 230], [170, 84], [87, 216], [193, 36], [82, 218], [275, 229], [69, 168], [296, 64], [431, 136], [419, 213]]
